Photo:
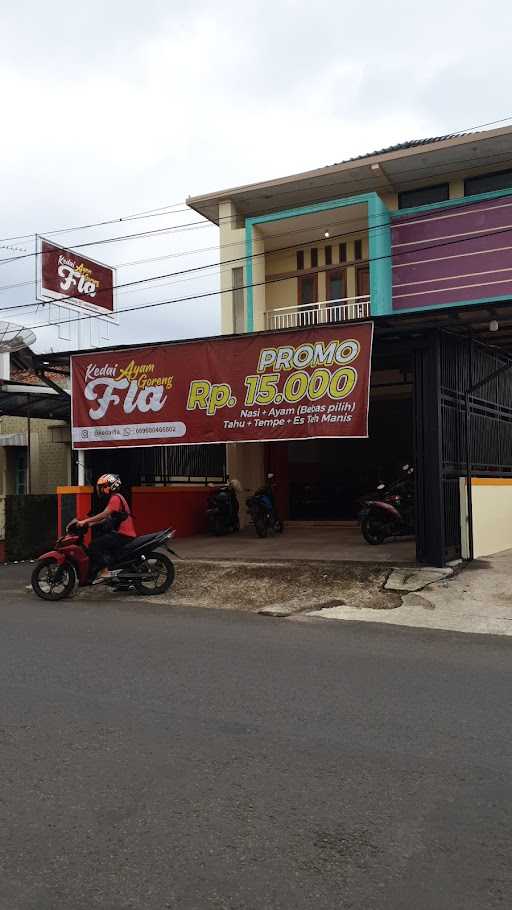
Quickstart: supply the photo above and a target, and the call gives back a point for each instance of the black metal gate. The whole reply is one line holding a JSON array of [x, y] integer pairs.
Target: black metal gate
[[448, 443], [160, 465]]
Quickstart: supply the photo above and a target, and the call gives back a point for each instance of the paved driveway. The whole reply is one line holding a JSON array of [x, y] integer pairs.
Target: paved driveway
[[314, 542]]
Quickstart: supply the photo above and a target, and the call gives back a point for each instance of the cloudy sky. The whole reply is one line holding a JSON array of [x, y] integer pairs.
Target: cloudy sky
[[114, 107]]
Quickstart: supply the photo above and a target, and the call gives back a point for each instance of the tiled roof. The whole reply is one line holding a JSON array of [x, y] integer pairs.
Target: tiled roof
[[401, 146], [28, 377]]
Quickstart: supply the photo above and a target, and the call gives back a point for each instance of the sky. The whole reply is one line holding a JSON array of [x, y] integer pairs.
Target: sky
[[115, 107]]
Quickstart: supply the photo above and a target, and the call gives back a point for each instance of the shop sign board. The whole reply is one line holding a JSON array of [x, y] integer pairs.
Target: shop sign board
[[68, 277], [309, 383]]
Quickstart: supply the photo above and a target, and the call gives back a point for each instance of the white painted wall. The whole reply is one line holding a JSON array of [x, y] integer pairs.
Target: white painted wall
[[492, 515]]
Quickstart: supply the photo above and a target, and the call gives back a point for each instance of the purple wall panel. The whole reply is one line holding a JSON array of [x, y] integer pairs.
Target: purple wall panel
[[452, 255]]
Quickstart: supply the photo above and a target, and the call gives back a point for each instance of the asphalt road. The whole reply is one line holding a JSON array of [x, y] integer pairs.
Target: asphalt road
[[154, 758]]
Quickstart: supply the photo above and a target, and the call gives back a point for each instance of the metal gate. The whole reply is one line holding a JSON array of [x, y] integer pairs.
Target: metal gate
[[453, 441], [160, 465]]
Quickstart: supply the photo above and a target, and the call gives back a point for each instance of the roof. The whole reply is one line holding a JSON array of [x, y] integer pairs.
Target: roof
[[400, 146], [406, 165], [33, 394], [28, 377]]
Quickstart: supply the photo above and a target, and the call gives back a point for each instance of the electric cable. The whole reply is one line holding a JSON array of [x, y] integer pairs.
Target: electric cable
[[216, 293]]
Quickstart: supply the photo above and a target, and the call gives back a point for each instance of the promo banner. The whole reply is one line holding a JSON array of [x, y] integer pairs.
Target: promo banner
[[291, 385], [75, 279]]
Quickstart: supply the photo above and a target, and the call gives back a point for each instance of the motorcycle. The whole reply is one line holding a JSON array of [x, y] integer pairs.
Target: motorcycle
[[140, 565], [262, 509], [223, 509], [392, 513]]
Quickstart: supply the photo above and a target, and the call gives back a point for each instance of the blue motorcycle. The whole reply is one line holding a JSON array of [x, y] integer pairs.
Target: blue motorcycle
[[263, 511]]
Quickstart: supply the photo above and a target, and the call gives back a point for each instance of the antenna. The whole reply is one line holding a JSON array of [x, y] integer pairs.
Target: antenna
[[14, 337]]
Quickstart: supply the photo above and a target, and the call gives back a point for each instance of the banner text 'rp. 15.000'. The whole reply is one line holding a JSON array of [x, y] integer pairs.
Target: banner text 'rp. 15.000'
[[291, 385]]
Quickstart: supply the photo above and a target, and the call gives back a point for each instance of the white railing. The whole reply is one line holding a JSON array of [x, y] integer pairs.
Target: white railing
[[344, 310]]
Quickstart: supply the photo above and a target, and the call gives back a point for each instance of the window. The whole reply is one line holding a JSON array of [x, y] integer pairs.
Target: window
[[427, 195], [363, 282], [307, 290], [343, 252], [358, 249], [314, 258], [300, 260], [335, 284], [486, 183], [328, 255], [20, 472], [237, 283]]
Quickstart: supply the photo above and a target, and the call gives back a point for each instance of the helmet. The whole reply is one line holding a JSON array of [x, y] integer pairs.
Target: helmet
[[108, 483]]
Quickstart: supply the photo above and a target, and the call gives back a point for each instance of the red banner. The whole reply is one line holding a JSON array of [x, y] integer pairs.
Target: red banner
[[68, 276], [291, 385]]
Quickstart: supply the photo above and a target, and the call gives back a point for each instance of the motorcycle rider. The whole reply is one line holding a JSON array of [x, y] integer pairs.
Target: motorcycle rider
[[121, 529]]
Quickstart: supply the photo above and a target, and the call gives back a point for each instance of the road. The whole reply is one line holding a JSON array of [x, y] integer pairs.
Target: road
[[154, 758]]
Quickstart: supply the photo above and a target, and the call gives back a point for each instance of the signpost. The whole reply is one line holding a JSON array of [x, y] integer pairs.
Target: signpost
[[80, 291], [291, 385], [76, 280]]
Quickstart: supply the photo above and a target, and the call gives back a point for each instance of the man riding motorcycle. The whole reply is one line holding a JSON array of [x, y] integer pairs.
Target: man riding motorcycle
[[120, 529]]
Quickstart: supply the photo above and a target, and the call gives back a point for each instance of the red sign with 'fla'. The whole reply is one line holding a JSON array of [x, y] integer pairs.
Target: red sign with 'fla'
[[66, 275], [292, 385]]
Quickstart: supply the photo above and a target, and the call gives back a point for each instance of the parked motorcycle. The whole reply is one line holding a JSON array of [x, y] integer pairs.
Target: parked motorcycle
[[263, 511], [223, 509], [391, 512], [141, 565]]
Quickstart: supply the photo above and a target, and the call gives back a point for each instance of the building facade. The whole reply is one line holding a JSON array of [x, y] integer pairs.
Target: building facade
[[35, 453], [418, 238]]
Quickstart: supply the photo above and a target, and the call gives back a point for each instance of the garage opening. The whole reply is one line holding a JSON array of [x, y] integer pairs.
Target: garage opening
[[325, 479]]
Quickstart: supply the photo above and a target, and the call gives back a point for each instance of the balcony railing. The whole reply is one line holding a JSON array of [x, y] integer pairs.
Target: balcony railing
[[345, 310]]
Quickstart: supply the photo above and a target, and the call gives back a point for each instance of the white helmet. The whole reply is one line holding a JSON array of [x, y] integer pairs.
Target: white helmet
[[108, 483]]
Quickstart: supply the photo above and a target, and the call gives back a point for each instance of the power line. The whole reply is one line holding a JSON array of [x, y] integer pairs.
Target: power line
[[139, 281], [195, 225], [228, 262], [266, 282], [168, 209], [148, 213], [138, 236], [363, 228], [327, 223]]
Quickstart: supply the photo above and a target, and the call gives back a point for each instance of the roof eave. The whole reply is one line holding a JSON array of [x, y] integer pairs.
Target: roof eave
[[208, 203]]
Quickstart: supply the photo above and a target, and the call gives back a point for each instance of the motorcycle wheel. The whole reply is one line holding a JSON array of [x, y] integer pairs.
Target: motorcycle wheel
[[373, 531], [160, 575], [261, 527], [51, 581]]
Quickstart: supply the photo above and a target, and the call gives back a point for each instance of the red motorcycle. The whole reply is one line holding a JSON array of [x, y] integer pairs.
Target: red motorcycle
[[391, 512], [141, 565]]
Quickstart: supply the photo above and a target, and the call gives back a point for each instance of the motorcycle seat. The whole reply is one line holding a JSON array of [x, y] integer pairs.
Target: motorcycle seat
[[140, 542]]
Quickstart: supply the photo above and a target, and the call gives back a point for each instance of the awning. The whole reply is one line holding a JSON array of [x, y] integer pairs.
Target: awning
[[21, 400], [13, 439]]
